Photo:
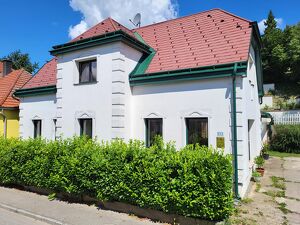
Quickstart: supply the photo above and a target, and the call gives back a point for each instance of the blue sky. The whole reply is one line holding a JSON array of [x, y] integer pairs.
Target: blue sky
[[34, 26]]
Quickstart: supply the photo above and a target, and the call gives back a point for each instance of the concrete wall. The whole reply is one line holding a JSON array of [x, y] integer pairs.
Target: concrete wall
[[267, 101], [41, 107], [12, 126]]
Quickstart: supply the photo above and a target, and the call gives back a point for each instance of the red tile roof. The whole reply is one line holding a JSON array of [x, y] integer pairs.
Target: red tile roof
[[8, 84], [203, 39], [208, 38], [46, 76], [106, 26]]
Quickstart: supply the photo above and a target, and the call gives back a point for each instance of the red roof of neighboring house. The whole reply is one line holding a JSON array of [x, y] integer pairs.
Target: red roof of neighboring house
[[8, 84], [207, 38]]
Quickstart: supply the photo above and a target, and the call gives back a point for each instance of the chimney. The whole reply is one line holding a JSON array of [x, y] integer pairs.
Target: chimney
[[6, 67]]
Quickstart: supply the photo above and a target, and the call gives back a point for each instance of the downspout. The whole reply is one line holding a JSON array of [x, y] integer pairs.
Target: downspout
[[234, 130], [5, 123]]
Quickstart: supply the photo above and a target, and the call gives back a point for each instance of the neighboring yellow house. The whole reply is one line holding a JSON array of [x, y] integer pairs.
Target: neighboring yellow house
[[10, 80]]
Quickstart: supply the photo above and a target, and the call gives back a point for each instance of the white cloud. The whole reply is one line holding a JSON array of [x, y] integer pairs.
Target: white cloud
[[262, 27], [94, 11]]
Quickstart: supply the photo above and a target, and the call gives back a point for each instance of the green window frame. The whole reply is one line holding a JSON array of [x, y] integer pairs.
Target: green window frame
[[154, 127], [197, 131], [37, 128], [86, 127]]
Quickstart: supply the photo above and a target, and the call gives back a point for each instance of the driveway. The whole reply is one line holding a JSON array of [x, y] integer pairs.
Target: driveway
[[276, 200]]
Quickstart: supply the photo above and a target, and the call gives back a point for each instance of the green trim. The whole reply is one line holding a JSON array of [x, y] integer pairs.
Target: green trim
[[100, 40], [35, 91], [267, 115], [234, 129], [217, 71], [144, 61]]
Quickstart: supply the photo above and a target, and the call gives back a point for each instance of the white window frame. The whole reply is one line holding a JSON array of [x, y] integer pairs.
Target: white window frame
[[76, 70]]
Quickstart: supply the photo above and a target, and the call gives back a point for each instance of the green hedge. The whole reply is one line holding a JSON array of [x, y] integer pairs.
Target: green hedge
[[193, 182], [286, 139]]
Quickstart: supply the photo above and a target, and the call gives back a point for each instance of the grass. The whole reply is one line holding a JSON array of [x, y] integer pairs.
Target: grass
[[283, 154], [258, 186], [275, 193], [282, 207], [246, 200], [278, 182]]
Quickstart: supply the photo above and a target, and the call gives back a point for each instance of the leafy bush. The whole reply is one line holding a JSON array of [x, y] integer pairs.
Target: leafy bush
[[259, 161], [286, 139], [195, 181]]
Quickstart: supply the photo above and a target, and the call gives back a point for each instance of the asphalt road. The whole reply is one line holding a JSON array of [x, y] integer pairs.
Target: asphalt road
[[11, 218]]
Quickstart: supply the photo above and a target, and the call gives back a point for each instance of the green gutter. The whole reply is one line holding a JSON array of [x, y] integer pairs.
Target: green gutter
[[217, 71], [234, 129], [99, 40], [35, 91]]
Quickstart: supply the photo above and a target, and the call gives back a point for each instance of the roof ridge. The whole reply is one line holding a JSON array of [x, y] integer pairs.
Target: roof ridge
[[12, 86], [231, 14], [111, 20], [194, 14], [89, 29]]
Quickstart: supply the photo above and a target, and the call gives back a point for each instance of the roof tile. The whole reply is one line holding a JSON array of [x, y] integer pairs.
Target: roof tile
[[8, 84], [203, 39]]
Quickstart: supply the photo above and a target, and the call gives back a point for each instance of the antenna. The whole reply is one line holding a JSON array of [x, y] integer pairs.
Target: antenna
[[136, 20]]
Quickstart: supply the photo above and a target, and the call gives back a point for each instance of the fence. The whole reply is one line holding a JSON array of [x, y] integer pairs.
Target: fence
[[287, 117]]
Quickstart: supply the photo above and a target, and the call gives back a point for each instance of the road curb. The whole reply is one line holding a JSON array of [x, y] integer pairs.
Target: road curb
[[32, 215]]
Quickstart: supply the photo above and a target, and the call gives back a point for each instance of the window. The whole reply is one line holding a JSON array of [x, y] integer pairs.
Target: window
[[37, 128], [86, 127], [55, 128], [153, 129], [87, 71], [197, 131]]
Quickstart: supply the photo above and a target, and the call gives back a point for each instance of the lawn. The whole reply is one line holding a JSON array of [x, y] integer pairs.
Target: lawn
[[283, 154]]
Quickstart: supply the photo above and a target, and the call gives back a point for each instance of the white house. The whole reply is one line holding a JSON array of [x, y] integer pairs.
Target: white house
[[195, 79]]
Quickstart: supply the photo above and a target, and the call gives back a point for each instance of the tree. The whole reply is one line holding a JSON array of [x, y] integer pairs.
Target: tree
[[22, 60], [292, 45], [274, 56]]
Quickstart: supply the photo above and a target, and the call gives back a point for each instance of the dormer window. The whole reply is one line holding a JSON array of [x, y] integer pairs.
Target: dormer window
[[88, 71]]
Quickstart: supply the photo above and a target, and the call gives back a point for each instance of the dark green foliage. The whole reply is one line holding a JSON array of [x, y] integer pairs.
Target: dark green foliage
[[286, 139], [196, 181], [22, 60], [281, 53]]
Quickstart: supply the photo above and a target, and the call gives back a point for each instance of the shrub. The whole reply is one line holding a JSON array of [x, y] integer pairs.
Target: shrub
[[286, 139], [195, 181], [259, 161]]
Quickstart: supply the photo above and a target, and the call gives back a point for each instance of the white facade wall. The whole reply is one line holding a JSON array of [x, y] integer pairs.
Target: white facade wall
[[106, 101], [248, 109], [175, 101], [119, 111], [41, 107]]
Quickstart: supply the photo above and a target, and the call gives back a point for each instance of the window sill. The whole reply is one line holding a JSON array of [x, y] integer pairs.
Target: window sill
[[86, 83]]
